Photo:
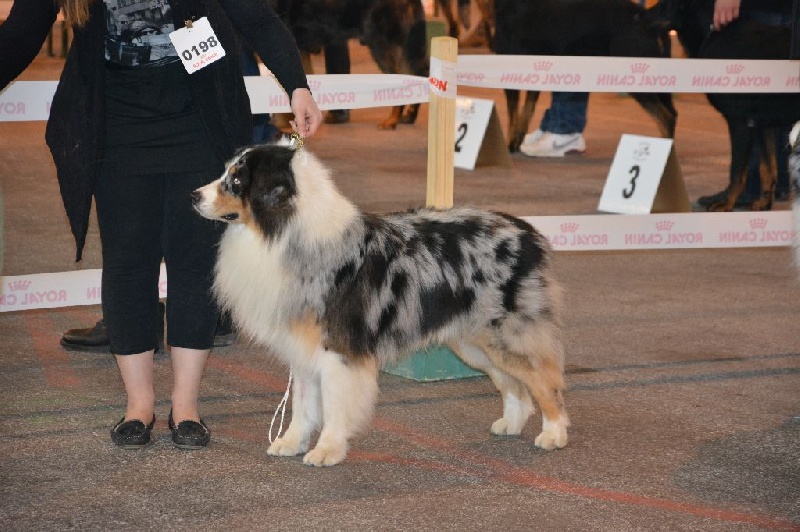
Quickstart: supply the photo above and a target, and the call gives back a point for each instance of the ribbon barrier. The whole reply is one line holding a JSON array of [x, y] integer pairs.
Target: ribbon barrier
[[628, 74], [30, 100], [597, 232]]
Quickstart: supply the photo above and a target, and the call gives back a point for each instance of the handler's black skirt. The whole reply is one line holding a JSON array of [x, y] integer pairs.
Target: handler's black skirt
[[152, 123]]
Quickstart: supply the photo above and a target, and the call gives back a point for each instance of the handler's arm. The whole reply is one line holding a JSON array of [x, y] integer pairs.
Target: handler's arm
[[22, 36]]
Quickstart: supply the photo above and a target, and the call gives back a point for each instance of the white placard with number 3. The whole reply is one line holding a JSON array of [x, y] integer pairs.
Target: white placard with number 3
[[197, 45], [635, 174]]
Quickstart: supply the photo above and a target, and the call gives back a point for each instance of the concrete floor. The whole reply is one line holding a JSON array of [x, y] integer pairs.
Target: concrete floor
[[683, 375]]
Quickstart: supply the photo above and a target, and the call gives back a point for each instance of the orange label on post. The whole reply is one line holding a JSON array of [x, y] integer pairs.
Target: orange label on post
[[443, 78]]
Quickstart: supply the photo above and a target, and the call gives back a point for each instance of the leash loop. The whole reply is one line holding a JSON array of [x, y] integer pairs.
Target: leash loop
[[281, 408]]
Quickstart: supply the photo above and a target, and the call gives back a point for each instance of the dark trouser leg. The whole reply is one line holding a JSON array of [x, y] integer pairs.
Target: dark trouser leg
[[190, 250], [129, 213]]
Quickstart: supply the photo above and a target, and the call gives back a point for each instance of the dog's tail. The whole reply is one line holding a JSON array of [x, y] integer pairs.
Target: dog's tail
[[794, 172]]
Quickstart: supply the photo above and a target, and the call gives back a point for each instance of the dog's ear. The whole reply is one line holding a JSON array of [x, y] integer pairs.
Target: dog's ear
[[274, 198]]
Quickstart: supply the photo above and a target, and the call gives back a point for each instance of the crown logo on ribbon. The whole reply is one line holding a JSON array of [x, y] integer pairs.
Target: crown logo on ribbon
[[664, 225], [758, 223], [569, 227], [19, 286], [734, 68], [640, 68]]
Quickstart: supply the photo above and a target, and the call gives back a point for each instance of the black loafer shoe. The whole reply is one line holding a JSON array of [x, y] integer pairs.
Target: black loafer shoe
[[132, 434], [189, 434]]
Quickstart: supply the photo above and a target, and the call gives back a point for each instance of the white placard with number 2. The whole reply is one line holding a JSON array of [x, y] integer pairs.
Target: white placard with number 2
[[472, 117], [197, 45]]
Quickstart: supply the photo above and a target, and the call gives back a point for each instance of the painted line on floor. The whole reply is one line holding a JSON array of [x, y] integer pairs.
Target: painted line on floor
[[503, 471], [56, 363]]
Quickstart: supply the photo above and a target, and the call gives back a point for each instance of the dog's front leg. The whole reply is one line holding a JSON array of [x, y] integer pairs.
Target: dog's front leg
[[306, 417], [349, 389]]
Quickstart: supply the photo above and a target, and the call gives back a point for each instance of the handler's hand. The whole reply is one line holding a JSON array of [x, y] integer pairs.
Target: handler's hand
[[307, 116], [725, 12]]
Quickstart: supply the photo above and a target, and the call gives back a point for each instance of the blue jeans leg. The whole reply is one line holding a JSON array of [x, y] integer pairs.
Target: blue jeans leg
[[567, 113]]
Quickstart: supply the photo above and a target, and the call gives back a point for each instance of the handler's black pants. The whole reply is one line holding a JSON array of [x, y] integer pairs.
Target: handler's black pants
[[144, 219]]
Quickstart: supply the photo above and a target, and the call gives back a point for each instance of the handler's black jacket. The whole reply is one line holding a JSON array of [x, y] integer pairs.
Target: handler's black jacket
[[76, 126]]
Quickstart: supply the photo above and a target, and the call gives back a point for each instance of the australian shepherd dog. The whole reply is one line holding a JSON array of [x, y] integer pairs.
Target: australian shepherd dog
[[337, 294]]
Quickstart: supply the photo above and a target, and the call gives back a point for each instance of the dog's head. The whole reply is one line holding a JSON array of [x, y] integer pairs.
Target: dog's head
[[258, 189]]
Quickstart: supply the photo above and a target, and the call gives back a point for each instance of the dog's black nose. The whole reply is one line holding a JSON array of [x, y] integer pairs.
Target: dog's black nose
[[196, 197]]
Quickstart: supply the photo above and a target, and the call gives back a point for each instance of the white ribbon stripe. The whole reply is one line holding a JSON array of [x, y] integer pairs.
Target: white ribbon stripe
[[30, 100], [566, 233]]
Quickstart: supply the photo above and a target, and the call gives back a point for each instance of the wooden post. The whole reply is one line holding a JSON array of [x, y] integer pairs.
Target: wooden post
[[441, 129]]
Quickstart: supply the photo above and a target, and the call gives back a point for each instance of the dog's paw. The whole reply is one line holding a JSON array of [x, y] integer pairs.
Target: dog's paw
[[324, 456], [286, 447], [504, 427], [553, 435]]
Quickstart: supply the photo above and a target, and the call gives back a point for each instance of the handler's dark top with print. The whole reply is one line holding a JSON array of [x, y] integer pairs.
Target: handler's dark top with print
[[76, 130]]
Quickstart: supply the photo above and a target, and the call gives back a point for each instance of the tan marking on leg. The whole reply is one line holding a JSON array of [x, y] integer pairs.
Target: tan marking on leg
[[307, 330]]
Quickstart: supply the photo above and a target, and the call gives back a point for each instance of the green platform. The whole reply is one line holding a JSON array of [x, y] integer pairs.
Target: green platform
[[432, 364]]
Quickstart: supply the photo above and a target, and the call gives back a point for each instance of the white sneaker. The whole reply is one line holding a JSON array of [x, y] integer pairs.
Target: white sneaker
[[555, 145], [531, 138]]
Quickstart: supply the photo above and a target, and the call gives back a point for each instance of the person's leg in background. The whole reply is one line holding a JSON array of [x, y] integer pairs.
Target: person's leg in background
[[561, 129], [337, 61]]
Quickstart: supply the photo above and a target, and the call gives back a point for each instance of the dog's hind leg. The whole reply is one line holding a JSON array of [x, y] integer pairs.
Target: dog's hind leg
[[768, 169], [526, 114], [519, 119], [660, 109], [349, 390], [535, 360], [517, 402], [306, 416], [742, 134]]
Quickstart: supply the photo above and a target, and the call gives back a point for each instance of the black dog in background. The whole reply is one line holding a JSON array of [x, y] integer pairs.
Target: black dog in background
[[582, 28], [752, 119], [392, 30]]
